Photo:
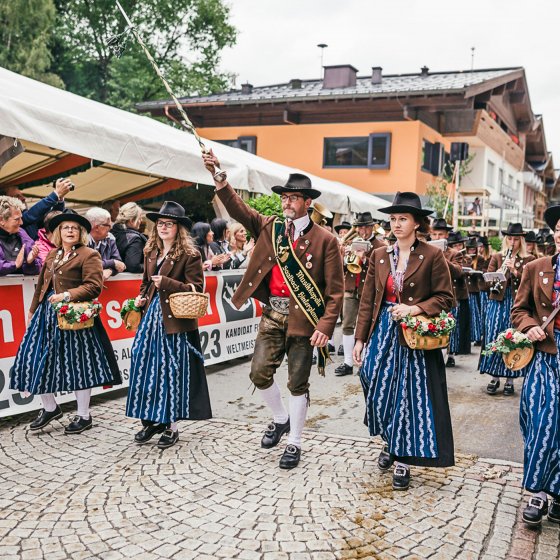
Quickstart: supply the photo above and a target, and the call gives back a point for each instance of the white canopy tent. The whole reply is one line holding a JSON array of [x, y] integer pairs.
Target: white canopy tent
[[125, 153]]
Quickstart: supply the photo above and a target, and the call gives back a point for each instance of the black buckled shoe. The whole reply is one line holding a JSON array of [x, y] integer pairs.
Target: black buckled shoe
[[290, 458], [45, 418], [401, 478], [340, 351], [450, 361], [554, 511], [343, 369], [385, 460], [492, 387], [274, 433], [78, 425], [148, 432], [509, 388], [533, 513], [168, 438]]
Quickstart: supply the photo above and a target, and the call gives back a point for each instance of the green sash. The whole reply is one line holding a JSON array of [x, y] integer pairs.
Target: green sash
[[300, 283]]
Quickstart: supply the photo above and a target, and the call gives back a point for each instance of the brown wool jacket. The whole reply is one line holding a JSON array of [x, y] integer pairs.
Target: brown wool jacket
[[427, 284], [456, 261], [81, 275], [350, 278], [533, 302], [177, 274], [511, 280], [326, 269]]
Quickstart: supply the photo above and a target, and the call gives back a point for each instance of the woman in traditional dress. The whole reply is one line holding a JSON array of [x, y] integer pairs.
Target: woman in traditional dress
[[536, 312], [167, 377], [473, 286], [405, 390], [512, 259], [49, 359]]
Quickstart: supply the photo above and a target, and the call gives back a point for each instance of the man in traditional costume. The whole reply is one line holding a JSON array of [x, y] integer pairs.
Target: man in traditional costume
[[296, 269]]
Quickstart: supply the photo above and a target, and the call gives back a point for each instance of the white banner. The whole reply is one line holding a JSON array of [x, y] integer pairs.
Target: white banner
[[225, 332]]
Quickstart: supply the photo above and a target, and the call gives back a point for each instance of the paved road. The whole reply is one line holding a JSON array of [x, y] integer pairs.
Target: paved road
[[484, 425], [217, 494]]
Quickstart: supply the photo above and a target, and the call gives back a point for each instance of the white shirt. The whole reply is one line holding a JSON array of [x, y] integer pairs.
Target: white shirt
[[299, 224]]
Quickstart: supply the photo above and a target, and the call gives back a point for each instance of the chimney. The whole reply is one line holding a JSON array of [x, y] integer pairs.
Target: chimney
[[295, 83], [247, 88], [376, 76], [424, 71], [340, 76]]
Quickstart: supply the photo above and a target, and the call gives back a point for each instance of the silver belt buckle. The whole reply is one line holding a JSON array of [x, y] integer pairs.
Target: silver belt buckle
[[280, 304]]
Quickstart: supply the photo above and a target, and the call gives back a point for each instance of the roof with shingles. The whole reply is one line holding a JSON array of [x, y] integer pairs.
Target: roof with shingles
[[413, 84]]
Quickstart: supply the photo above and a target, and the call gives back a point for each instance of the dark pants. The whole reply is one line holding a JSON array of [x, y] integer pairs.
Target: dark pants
[[272, 344]]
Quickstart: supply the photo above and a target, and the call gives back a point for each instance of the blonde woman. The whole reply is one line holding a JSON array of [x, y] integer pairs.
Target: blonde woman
[[130, 242], [513, 258], [240, 248], [167, 377], [51, 360]]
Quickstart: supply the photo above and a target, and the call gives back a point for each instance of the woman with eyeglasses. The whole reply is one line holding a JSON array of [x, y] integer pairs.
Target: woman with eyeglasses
[[167, 376], [49, 359]]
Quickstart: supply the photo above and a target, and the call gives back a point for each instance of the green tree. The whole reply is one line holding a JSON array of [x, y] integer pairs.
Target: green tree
[[438, 191], [185, 37], [267, 204], [26, 28]]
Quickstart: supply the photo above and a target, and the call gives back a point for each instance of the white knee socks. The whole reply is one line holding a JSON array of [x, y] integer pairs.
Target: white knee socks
[[348, 345], [173, 426], [273, 399], [298, 412], [83, 397], [49, 402]]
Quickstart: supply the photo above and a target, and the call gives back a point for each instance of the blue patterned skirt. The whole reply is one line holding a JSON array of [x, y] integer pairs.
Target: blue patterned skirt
[[539, 417], [50, 360], [498, 319], [476, 317], [483, 312], [460, 339], [167, 376], [406, 397]]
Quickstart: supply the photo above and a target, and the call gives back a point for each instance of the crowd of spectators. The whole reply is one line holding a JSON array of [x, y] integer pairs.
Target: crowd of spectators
[[116, 233]]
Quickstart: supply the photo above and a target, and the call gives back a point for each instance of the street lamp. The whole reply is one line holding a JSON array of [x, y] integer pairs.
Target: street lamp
[[322, 46]]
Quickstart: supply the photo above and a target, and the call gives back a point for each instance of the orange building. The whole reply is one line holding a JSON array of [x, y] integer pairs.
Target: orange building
[[379, 133]]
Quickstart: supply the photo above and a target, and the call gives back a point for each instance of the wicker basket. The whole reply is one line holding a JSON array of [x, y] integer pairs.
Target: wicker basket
[[518, 358], [418, 342], [132, 319], [80, 306], [189, 305]]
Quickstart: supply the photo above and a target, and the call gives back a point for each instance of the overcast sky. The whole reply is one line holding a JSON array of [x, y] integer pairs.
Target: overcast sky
[[277, 41]]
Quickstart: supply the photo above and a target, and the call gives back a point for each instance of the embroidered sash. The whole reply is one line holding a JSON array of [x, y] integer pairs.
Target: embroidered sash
[[300, 283]]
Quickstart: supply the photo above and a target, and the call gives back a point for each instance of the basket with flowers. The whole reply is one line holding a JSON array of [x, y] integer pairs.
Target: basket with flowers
[[77, 315], [427, 333], [516, 348], [130, 315]]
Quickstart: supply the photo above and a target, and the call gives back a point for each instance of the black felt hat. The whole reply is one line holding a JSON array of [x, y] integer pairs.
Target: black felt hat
[[455, 237], [551, 216], [440, 223], [531, 237], [364, 219], [483, 241], [173, 211], [297, 182], [69, 216], [514, 229], [342, 225], [471, 243], [406, 203]]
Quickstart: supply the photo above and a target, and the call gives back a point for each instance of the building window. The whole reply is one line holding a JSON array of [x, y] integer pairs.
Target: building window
[[490, 174], [379, 151], [433, 155], [373, 151], [245, 143]]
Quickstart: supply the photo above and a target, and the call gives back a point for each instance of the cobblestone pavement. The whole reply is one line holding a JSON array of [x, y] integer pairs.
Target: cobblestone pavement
[[217, 494]]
